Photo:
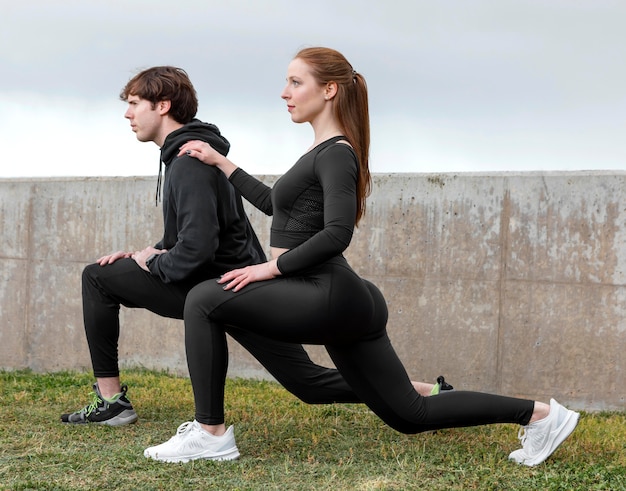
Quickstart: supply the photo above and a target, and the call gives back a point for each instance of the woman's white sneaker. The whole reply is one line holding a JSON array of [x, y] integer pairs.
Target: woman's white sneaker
[[541, 438], [192, 442], [518, 456]]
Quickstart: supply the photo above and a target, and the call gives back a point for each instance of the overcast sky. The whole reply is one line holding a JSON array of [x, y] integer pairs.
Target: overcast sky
[[455, 86]]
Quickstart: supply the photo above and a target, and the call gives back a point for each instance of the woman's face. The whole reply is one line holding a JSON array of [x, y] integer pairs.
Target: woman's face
[[305, 97]]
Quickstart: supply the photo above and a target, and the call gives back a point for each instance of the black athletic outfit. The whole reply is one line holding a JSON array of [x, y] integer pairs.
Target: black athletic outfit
[[206, 233], [319, 299]]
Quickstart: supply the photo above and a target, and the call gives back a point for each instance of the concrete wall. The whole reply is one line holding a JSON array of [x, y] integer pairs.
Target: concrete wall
[[507, 283]]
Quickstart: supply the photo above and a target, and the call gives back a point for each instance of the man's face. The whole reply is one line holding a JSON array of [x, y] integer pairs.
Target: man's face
[[145, 120]]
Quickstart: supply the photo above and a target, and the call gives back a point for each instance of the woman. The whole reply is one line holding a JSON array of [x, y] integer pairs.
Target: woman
[[307, 292]]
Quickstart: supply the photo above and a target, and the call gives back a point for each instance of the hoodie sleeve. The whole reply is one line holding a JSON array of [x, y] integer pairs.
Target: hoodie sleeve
[[193, 200]]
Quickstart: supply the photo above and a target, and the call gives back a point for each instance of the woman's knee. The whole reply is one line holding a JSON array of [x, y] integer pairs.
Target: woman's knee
[[194, 302], [205, 298]]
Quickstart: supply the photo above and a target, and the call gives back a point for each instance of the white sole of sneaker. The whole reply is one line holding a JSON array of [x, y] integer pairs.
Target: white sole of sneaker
[[517, 456], [557, 437], [232, 454], [126, 417]]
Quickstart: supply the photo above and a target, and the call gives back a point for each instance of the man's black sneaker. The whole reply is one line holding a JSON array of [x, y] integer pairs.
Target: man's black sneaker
[[100, 411], [440, 385]]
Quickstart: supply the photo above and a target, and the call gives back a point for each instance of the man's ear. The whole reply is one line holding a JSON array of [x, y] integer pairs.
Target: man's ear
[[164, 107]]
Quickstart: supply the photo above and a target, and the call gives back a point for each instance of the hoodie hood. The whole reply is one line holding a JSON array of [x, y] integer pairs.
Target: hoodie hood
[[194, 130]]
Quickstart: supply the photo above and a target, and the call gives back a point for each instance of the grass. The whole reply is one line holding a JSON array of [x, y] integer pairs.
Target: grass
[[285, 444]]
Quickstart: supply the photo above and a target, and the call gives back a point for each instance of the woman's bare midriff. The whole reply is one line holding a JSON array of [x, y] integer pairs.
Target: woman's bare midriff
[[277, 251]]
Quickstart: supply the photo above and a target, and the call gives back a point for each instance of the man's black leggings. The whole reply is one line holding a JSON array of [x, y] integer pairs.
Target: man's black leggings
[[105, 288], [328, 305]]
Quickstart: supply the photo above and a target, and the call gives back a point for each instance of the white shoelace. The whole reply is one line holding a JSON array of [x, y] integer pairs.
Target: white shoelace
[[521, 435], [185, 428], [525, 435]]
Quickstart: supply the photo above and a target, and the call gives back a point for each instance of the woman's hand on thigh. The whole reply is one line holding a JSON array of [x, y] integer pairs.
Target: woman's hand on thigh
[[237, 279]]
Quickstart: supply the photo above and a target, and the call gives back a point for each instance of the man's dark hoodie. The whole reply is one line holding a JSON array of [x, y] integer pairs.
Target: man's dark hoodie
[[206, 230]]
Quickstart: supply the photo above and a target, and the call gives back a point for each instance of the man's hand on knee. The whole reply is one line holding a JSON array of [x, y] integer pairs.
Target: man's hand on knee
[[141, 257], [111, 258]]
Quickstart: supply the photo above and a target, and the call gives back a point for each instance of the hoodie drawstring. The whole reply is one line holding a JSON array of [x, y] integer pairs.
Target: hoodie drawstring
[[157, 197]]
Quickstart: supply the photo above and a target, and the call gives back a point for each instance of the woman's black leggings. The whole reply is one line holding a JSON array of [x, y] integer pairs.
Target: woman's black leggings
[[332, 306], [105, 288]]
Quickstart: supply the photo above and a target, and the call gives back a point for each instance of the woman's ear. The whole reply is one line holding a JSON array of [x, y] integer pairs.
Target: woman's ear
[[330, 91]]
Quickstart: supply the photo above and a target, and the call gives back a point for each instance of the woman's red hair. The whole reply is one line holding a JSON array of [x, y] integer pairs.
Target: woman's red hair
[[351, 109]]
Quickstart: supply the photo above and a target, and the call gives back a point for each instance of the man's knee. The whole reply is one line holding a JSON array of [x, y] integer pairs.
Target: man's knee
[[89, 277], [103, 281], [89, 271]]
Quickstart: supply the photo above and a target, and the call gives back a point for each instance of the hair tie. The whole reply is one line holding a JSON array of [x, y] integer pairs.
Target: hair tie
[[354, 76]]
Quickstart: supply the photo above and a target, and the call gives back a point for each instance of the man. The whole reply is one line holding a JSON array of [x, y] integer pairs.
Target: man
[[206, 233]]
